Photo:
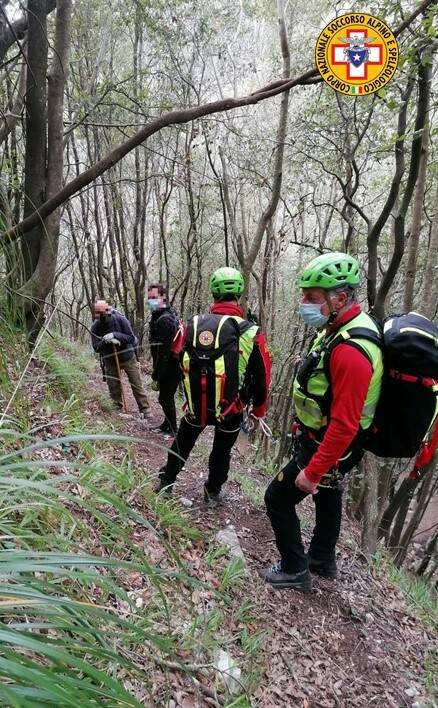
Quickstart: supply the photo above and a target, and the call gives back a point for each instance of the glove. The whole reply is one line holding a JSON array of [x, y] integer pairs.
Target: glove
[[110, 339]]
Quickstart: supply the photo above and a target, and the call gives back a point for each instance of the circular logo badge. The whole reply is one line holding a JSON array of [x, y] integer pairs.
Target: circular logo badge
[[356, 54], [206, 338]]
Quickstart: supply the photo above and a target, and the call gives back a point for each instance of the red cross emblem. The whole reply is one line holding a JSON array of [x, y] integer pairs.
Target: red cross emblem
[[375, 53]]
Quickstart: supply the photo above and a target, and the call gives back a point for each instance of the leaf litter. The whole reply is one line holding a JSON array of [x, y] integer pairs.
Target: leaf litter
[[351, 642]]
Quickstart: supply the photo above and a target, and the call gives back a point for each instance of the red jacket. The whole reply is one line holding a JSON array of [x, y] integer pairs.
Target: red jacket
[[350, 374], [258, 371]]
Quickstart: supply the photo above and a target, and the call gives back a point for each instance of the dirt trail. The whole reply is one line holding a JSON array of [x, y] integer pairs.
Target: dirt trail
[[351, 642]]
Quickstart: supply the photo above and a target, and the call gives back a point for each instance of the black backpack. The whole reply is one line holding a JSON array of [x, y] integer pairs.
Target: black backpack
[[408, 403], [210, 364]]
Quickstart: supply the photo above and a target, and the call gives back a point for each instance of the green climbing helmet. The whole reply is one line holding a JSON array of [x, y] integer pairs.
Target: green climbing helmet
[[329, 271], [225, 281]]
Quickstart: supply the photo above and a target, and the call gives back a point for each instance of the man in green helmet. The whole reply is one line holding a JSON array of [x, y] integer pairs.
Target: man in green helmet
[[335, 394], [225, 366]]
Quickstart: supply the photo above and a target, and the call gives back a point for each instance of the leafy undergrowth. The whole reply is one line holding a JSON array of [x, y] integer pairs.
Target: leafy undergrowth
[[112, 596], [100, 594]]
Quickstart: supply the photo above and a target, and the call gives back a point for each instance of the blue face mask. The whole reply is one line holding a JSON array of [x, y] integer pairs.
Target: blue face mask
[[312, 315], [154, 304]]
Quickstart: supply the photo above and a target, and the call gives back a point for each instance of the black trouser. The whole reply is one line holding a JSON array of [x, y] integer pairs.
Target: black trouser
[[225, 435], [281, 498], [166, 397]]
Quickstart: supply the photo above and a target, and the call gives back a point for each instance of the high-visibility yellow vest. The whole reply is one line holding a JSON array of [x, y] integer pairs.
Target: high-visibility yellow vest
[[312, 396]]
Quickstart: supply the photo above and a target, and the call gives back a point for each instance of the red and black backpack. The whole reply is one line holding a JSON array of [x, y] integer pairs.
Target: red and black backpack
[[407, 410], [216, 352]]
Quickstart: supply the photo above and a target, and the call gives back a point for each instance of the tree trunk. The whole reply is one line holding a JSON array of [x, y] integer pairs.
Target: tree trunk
[[371, 507], [417, 515], [11, 32], [222, 198], [424, 79], [11, 117], [36, 121], [269, 212], [40, 246], [430, 288], [42, 277], [402, 496], [428, 554], [375, 229], [411, 266]]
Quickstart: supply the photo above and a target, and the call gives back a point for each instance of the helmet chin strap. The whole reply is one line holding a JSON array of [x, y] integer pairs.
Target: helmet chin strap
[[333, 313]]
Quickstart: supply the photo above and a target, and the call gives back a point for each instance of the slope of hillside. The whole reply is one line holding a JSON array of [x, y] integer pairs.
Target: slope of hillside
[[212, 633]]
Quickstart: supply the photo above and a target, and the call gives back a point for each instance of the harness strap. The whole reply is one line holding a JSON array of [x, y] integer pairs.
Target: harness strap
[[349, 336], [410, 378], [425, 455], [203, 398]]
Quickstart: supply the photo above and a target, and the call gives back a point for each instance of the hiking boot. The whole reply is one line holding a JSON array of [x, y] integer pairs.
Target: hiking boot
[[163, 487], [324, 568], [276, 577], [164, 428], [212, 499]]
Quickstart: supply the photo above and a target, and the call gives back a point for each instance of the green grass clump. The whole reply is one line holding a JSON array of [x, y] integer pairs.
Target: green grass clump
[[71, 630], [251, 488], [86, 614], [421, 598], [101, 581], [420, 594], [67, 374]]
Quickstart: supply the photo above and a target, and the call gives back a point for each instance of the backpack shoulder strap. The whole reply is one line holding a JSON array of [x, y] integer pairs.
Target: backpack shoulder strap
[[224, 318], [196, 322], [349, 337], [245, 325], [192, 324]]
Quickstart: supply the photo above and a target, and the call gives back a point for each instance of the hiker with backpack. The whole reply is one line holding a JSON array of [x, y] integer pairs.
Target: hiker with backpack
[[335, 394], [112, 337], [226, 366], [166, 336]]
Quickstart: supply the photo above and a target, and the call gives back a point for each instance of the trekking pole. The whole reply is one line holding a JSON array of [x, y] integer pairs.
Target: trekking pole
[[119, 374]]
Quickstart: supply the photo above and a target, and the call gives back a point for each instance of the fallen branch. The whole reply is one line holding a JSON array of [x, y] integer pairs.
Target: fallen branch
[[173, 118], [167, 119], [208, 691]]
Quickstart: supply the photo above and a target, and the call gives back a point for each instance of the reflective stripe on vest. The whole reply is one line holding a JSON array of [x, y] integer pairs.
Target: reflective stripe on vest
[[246, 345], [311, 404], [186, 382], [218, 333], [219, 369]]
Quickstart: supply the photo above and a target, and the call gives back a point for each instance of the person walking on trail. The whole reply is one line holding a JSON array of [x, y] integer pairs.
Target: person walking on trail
[[226, 366], [335, 395], [165, 333], [112, 336]]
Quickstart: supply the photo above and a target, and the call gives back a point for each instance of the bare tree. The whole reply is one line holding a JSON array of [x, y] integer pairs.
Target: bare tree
[[44, 249]]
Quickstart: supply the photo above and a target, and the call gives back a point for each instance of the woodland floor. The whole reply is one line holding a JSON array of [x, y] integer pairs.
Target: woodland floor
[[351, 642]]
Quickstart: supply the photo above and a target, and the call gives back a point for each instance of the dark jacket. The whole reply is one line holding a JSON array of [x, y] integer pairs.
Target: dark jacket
[[162, 330], [122, 330]]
